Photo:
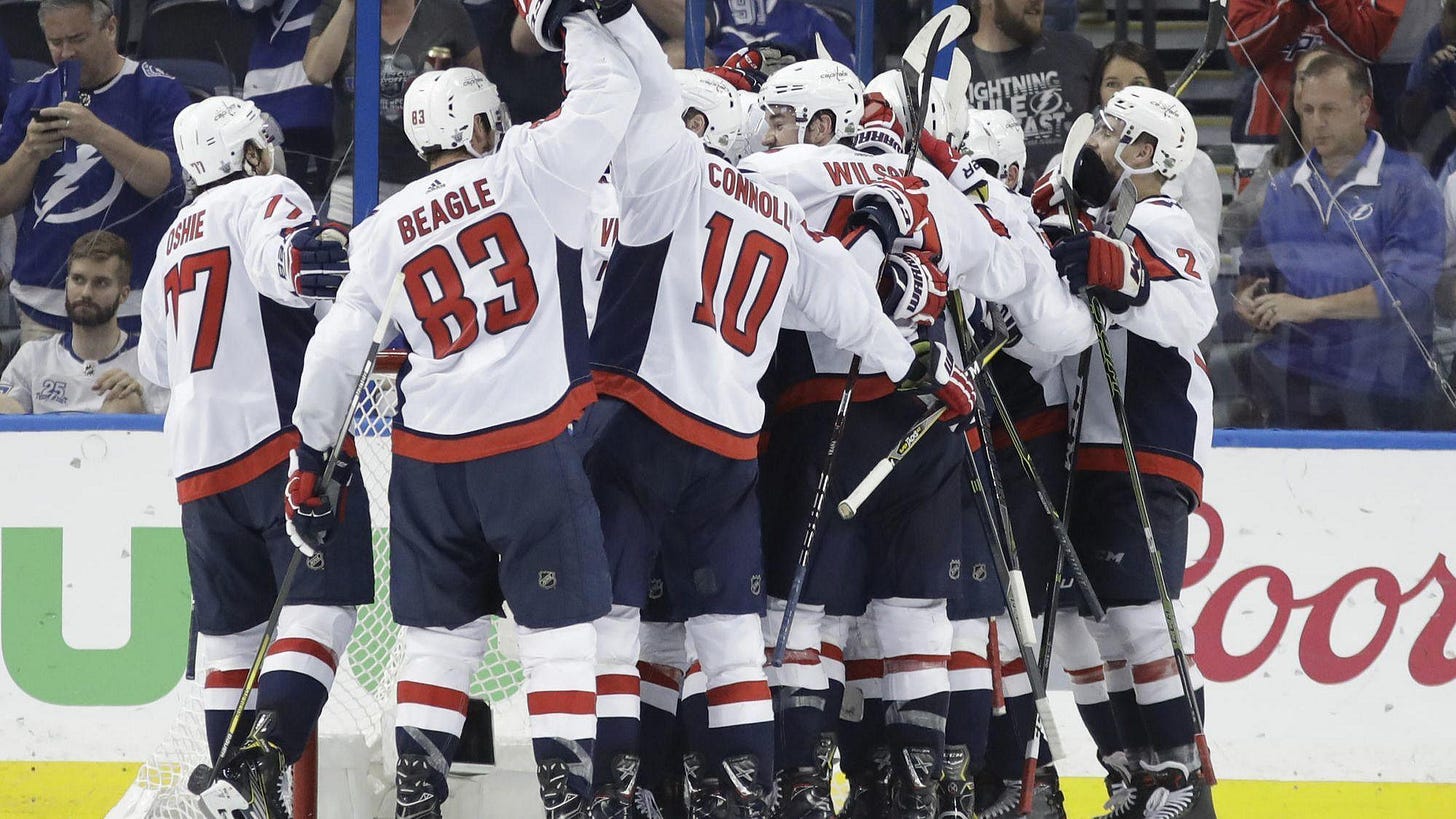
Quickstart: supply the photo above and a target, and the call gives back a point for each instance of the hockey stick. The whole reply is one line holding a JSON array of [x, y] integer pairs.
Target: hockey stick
[[1217, 17], [203, 777], [850, 506], [927, 41]]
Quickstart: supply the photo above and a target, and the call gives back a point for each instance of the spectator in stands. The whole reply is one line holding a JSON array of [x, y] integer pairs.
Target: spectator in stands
[[101, 159], [1430, 85], [415, 36], [1391, 72], [1043, 77], [529, 85], [1338, 356], [1269, 35], [277, 84], [789, 24], [93, 367], [1197, 189]]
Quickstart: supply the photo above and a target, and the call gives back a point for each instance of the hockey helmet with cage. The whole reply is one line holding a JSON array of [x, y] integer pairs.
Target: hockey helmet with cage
[[720, 106], [1158, 115], [212, 136], [891, 85], [996, 135], [440, 108], [810, 86]]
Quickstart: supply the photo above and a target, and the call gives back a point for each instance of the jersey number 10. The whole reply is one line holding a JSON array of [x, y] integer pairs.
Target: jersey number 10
[[511, 269], [756, 247]]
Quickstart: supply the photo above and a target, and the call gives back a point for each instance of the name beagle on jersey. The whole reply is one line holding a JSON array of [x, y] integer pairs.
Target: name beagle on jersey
[[444, 209], [726, 179], [186, 230]]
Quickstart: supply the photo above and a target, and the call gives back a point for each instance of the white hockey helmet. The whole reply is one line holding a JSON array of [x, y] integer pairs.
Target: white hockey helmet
[[754, 123], [892, 86], [212, 134], [720, 105], [440, 108], [810, 86], [996, 135], [1159, 115]]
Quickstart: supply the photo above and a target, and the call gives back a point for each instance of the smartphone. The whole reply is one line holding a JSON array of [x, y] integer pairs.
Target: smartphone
[[35, 114]]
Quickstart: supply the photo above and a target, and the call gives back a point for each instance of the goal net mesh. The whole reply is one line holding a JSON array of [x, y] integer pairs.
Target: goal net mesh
[[362, 698]]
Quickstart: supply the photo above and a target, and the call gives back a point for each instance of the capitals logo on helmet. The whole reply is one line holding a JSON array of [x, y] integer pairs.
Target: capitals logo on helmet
[[440, 108], [808, 87], [212, 136], [721, 107], [1160, 116]]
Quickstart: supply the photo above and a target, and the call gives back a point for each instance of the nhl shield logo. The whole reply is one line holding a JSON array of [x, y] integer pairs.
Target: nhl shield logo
[[654, 589], [955, 569], [546, 580], [978, 572], [755, 584]]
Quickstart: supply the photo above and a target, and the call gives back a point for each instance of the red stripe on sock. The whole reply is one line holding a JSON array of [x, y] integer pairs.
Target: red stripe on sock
[[1115, 665], [863, 669], [562, 702], [963, 660], [796, 656], [617, 684], [831, 651], [663, 676], [231, 678], [1086, 676], [747, 691], [695, 668], [914, 662], [419, 693], [1156, 670], [1016, 666], [303, 645]]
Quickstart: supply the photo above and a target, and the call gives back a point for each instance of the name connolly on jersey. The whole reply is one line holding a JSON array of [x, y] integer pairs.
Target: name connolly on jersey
[[733, 185]]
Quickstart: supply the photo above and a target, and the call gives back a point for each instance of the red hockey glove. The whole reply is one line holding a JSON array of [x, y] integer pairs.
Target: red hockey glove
[[315, 259], [897, 209], [933, 373], [912, 289], [1105, 268], [312, 510], [743, 69], [879, 132]]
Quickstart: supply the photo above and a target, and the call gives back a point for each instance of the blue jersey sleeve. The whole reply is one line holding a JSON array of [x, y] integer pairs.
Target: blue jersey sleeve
[[17, 117]]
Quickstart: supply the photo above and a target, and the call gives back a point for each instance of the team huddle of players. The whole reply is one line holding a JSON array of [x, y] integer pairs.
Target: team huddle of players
[[619, 434]]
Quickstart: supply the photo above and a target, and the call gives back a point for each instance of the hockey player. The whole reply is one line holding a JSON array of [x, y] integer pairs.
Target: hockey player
[[707, 268], [1154, 282], [489, 499], [227, 312], [894, 559]]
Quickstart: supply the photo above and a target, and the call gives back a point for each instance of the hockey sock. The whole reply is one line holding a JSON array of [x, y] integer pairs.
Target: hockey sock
[[915, 636], [618, 701], [664, 658], [226, 659], [434, 676], [862, 714], [800, 687], [969, 717], [1079, 655], [833, 636], [560, 670], [299, 670], [740, 707], [692, 709]]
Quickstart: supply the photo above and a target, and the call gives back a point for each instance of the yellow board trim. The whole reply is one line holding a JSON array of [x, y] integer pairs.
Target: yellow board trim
[[79, 790]]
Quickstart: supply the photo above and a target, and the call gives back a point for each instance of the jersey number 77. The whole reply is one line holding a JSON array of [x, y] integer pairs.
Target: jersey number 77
[[433, 283]]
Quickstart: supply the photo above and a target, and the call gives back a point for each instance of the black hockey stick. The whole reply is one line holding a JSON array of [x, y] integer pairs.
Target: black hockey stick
[[204, 777], [928, 41]]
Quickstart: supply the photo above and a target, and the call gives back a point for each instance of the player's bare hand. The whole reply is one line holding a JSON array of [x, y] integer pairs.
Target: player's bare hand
[[1273, 309], [43, 137], [123, 392], [78, 123]]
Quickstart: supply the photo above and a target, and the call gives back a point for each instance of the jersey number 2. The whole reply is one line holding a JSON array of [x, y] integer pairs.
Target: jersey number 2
[[445, 302], [182, 278], [756, 248]]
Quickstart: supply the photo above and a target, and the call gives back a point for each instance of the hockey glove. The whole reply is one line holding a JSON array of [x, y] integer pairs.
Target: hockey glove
[[311, 509], [743, 69], [933, 373], [315, 260], [1047, 195], [961, 170], [896, 209], [1105, 268], [879, 132], [912, 289], [547, 20]]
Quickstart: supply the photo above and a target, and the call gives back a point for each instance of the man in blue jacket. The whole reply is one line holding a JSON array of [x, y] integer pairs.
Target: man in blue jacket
[[1338, 354]]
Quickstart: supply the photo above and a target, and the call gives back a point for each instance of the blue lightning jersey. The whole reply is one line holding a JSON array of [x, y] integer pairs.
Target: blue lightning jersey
[[77, 190]]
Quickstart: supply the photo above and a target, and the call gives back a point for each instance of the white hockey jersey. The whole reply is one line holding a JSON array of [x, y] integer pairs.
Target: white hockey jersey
[[601, 234], [46, 375], [708, 267], [490, 251], [226, 333], [1155, 347]]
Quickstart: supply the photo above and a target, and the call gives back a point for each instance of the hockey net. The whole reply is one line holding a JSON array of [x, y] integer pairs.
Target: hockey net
[[355, 745]]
